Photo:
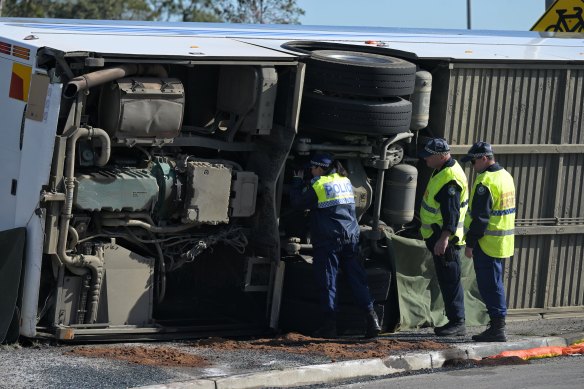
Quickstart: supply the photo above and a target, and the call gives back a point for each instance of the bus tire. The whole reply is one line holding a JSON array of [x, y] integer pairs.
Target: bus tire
[[356, 116], [359, 74]]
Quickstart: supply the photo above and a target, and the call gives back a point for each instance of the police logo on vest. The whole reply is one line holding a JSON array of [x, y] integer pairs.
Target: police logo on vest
[[335, 189], [451, 190], [481, 190]]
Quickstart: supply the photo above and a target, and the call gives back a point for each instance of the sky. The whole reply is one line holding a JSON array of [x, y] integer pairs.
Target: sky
[[515, 15]]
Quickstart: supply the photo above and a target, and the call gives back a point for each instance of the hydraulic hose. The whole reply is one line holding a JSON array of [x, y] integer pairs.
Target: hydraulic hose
[[146, 226]]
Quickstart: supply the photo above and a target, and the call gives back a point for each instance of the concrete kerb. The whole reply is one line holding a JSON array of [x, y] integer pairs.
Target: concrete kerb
[[483, 350], [193, 384], [336, 371]]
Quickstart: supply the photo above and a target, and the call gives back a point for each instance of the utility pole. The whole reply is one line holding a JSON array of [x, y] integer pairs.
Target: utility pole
[[548, 3], [468, 15]]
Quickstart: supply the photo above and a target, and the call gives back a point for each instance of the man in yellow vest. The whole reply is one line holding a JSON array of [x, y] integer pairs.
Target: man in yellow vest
[[334, 232], [442, 213], [489, 227]]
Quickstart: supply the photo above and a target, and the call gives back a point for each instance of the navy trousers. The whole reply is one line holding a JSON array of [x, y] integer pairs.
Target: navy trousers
[[489, 272], [327, 261], [449, 276]]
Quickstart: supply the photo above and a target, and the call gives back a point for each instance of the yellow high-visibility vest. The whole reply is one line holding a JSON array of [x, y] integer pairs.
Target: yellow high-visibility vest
[[499, 238], [430, 208], [332, 190]]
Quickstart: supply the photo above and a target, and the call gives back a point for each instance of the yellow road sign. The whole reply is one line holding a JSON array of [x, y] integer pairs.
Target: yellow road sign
[[562, 16]]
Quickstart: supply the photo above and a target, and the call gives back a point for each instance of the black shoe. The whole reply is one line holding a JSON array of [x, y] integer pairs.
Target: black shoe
[[373, 327], [328, 330], [452, 328], [495, 331]]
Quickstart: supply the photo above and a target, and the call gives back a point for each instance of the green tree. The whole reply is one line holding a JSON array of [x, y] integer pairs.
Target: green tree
[[258, 11], [235, 11], [26, 8], [185, 10], [81, 9]]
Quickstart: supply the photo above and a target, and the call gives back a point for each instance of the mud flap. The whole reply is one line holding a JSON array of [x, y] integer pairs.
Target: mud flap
[[11, 261]]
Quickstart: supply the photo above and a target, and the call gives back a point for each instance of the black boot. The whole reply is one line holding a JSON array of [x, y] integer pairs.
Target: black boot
[[373, 327], [452, 328], [328, 329], [495, 331]]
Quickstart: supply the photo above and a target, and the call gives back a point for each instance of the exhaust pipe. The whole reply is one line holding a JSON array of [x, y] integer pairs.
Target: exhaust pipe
[[100, 77]]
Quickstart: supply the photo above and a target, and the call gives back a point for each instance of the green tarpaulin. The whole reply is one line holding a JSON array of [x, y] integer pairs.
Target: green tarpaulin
[[419, 298]]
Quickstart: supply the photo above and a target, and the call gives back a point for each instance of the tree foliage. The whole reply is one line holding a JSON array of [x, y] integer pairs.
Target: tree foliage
[[259, 11], [25, 8], [185, 10], [234, 11], [80, 9]]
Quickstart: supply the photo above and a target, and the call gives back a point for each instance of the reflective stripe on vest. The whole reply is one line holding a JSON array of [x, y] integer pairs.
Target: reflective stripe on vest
[[332, 190], [430, 208], [498, 240]]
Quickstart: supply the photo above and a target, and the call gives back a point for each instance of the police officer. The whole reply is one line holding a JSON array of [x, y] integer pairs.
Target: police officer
[[442, 213], [334, 234], [489, 226]]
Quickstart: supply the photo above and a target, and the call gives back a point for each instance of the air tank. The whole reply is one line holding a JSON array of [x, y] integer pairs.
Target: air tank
[[399, 195], [421, 101]]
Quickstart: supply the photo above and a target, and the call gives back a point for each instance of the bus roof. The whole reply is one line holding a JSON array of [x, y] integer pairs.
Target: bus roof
[[195, 40]]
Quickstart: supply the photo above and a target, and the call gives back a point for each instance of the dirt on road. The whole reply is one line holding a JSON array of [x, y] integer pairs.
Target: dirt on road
[[336, 350], [152, 356]]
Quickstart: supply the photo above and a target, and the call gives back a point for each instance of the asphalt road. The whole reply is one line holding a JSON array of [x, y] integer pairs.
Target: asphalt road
[[560, 372]]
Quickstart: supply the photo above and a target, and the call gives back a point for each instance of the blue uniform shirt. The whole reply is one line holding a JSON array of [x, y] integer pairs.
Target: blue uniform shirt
[[328, 226]]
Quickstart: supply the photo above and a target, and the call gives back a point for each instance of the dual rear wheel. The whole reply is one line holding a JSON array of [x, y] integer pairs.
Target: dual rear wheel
[[357, 93]]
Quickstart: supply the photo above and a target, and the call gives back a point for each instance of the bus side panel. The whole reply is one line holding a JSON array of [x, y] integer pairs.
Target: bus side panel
[[11, 112], [35, 165]]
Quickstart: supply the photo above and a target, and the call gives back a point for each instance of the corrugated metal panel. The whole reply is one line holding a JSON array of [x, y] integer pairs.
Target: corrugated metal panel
[[535, 177], [525, 272], [517, 104], [566, 281], [575, 107], [504, 106], [571, 197]]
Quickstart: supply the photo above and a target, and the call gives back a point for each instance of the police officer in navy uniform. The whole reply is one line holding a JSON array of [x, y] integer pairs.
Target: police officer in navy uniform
[[489, 226], [334, 232], [442, 214]]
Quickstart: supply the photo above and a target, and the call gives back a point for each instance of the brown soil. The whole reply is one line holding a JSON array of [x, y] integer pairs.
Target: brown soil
[[153, 356], [503, 361], [338, 349], [457, 362]]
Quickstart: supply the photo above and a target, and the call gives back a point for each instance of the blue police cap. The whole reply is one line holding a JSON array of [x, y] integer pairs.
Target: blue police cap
[[479, 149], [323, 160], [435, 146]]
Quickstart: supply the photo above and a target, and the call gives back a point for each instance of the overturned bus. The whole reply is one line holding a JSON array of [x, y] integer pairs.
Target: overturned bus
[[145, 167]]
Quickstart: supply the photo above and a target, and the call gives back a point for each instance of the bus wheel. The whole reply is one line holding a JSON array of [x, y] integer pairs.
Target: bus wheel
[[356, 116], [359, 74]]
